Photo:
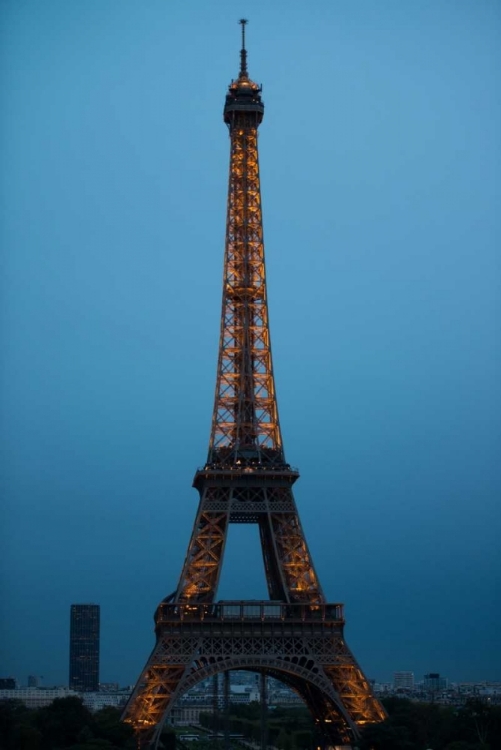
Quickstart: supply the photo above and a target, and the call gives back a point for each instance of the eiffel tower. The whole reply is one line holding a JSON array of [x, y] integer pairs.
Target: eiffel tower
[[295, 636]]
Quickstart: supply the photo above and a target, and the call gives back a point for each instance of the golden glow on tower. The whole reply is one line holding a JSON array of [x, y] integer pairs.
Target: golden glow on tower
[[295, 634], [245, 414]]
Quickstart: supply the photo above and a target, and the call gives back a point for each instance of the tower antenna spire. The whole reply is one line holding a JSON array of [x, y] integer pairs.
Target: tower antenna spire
[[243, 52]]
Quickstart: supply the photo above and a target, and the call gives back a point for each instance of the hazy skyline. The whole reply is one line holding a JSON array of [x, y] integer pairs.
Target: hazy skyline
[[380, 162]]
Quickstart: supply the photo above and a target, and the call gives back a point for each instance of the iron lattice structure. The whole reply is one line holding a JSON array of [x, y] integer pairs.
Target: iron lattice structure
[[296, 636]]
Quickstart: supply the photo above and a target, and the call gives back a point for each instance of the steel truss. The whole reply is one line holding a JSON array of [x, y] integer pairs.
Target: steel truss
[[296, 636], [302, 645]]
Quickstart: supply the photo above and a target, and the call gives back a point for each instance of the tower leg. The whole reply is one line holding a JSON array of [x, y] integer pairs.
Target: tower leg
[[264, 712], [215, 704], [226, 709]]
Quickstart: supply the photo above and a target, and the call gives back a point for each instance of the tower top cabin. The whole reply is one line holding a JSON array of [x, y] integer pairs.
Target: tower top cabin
[[244, 96]]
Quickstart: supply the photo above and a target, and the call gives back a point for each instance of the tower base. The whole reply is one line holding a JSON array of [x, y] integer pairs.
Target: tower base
[[302, 645]]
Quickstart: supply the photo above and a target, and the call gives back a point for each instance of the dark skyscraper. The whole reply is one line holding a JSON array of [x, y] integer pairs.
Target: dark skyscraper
[[84, 647]]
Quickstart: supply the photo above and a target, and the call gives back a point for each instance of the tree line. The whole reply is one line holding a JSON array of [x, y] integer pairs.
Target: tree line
[[64, 725], [68, 725], [409, 726]]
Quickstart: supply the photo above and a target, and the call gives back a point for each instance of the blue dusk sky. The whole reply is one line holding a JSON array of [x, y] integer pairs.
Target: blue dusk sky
[[380, 157]]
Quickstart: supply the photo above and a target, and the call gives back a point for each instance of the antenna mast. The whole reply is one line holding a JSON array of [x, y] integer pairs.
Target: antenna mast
[[243, 52]]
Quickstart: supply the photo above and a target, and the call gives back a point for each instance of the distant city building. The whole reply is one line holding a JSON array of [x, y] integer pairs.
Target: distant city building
[[7, 683], [108, 687], [244, 689], [403, 680], [36, 697], [41, 697], [84, 647], [33, 681], [434, 682], [97, 701]]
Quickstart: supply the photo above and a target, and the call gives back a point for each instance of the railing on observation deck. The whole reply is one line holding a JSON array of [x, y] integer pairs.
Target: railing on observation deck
[[235, 611], [215, 468]]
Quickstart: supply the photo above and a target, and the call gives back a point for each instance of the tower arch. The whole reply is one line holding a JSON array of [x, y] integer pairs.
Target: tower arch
[[298, 673]]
